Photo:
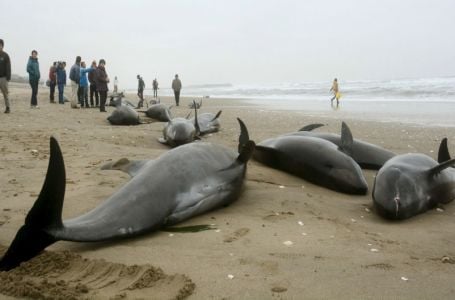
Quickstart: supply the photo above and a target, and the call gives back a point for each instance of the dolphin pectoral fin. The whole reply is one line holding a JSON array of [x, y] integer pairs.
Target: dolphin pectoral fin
[[216, 116], [131, 167], [45, 215], [442, 166], [443, 153], [346, 140], [196, 123], [311, 127]]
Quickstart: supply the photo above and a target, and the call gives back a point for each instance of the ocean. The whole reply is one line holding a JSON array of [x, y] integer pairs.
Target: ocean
[[428, 101]]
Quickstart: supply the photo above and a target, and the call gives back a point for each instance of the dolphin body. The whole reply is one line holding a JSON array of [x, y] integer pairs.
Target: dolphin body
[[208, 122], [159, 112], [181, 183], [413, 183], [367, 155], [316, 160], [124, 115], [180, 131]]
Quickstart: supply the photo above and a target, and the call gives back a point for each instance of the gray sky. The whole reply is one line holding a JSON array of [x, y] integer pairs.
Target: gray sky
[[251, 41]]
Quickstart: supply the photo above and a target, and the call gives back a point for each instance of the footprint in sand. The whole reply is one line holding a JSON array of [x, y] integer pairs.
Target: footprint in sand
[[65, 275], [278, 216], [236, 235]]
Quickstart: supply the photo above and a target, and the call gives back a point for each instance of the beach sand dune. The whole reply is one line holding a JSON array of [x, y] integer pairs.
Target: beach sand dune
[[284, 238]]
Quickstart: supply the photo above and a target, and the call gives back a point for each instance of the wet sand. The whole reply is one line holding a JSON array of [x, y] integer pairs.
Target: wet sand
[[284, 238]]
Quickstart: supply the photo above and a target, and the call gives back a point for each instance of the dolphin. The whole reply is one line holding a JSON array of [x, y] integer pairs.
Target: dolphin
[[208, 122], [179, 131], [411, 184], [124, 115], [181, 183], [159, 112], [316, 160], [194, 104], [368, 156]]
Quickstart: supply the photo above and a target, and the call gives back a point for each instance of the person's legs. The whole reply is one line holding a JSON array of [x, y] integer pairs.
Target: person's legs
[[60, 93], [140, 94], [177, 97], [85, 95], [52, 92], [34, 100], [92, 91], [103, 97], [4, 89], [74, 94]]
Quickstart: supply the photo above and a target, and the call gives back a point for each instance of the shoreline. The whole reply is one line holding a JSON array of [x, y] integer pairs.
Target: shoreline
[[247, 256]]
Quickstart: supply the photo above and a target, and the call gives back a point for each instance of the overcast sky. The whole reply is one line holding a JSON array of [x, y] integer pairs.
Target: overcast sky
[[256, 41]]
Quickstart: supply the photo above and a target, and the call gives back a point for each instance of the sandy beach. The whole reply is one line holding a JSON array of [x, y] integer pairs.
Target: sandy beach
[[284, 238]]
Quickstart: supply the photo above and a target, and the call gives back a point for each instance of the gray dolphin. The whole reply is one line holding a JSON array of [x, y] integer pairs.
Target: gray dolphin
[[181, 183], [413, 183], [208, 122], [316, 160], [180, 131], [194, 104], [124, 115], [368, 156], [159, 112]]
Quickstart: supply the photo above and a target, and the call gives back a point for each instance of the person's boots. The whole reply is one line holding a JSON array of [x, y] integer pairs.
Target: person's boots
[[7, 111]]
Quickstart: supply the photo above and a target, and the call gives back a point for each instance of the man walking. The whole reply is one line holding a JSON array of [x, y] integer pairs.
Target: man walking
[[52, 81], [93, 91], [140, 91], [33, 77], [75, 77], [176, 86], [5, 75], [155, 88]]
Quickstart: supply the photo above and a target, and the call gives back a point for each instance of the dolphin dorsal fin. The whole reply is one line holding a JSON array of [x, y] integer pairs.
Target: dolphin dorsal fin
[[217, 116], [443, 153], [131, 167], [244, 136], [196, 123], [346, 139], [442, 166], [311, 127]]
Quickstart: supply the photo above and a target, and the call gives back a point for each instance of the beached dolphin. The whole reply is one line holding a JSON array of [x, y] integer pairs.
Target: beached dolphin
[[208, 122], [413, 183], [194, 104], [179, 131], [368, 156], [316, 160], [159, 112], [124, 115], [181, 183]]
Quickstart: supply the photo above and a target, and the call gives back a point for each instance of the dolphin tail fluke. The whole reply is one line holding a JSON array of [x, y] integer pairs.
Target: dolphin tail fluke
[[311, 127], [443, 153], [33, 236]]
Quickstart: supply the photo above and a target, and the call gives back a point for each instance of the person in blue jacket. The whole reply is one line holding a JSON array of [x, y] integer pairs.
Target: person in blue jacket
[[61, 81], [33, 77], [83, 84]]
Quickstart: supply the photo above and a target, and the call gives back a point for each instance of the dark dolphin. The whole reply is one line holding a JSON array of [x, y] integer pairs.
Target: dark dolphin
[[181, 183], [316, 160], [208, 122], [124, 115], [368, 156], [159, 112], [180, 131], [413, 183]]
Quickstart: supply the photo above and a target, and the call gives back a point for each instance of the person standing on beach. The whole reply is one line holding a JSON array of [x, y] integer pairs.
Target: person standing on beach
[[61, 81], [83, 84], [93, 91], [101, 81], [155, 88], [33, 77], [75, 77], [115, 85], [336, 92], [176, 86], [52, 81], [140, 91], [5, 75]]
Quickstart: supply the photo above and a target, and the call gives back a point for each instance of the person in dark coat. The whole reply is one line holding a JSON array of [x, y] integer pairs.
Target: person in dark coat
[[93, 91], [52, 81], [101, 81], [61, 81], [33, 77]]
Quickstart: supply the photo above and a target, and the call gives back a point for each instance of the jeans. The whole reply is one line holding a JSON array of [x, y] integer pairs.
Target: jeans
[[84, 95], [52, 91], [34, 85], [61, 88], [94, 91]]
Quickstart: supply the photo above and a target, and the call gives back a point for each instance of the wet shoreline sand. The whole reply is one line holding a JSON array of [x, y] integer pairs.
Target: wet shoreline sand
[[340, 247]]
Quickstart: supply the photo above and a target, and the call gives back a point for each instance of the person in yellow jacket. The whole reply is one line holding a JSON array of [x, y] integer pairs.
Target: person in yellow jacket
[[336, 92]]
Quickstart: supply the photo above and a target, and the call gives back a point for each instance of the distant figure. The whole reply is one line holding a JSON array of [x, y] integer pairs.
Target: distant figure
[[93, 91], [336, 92], [176, 86], [75, 77], [83, 84], [155, 88], [33, 77], [140, 91], [52, 81], [61, 81], [5, 75], [101, 81], [115, 84]]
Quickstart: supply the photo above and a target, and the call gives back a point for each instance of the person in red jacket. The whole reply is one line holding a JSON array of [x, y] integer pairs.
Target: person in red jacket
[[52, 81]]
